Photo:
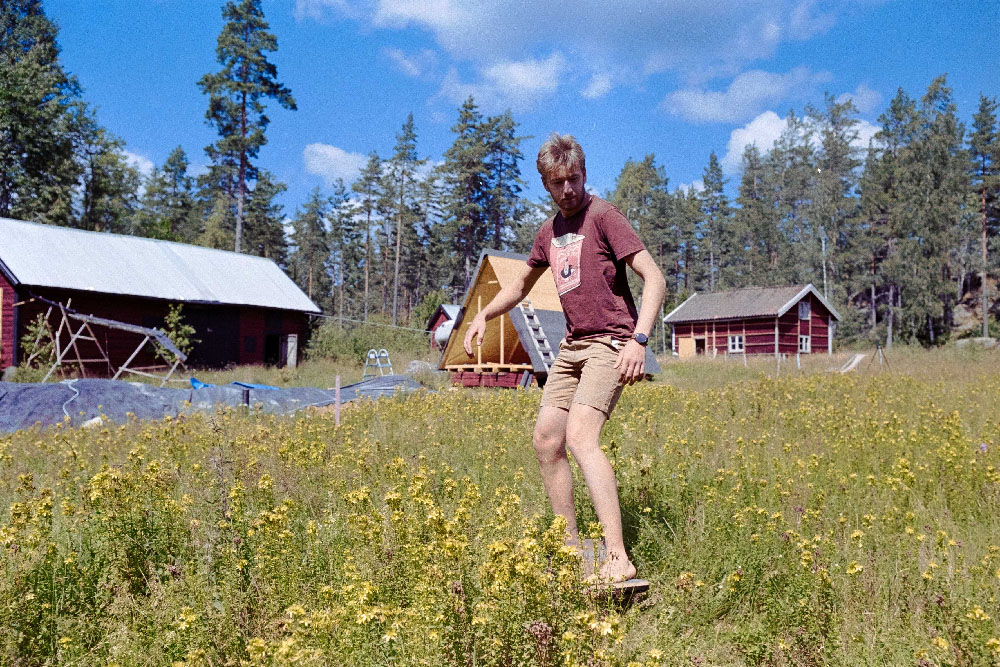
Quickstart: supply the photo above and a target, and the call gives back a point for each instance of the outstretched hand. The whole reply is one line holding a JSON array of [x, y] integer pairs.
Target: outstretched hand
[[476, 330], [631, 362]]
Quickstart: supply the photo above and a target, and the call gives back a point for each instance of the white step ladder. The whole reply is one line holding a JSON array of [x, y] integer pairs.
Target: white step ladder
[[377, 359]]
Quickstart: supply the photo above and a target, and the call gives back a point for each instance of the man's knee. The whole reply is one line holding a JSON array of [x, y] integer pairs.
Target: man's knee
[[550, 444]]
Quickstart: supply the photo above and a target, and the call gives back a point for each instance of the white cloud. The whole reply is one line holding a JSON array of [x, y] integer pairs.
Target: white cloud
[[865, 99], [866, 132], [314, 9], [763, 131], [747, 95], [804, 23], [514, 84], [140, 163], [697, 40], [331, 162], [599, 86], [413, 64], [697, 186]]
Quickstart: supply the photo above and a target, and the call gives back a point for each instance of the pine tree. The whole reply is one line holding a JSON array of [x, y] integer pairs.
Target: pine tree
[[883, 210], [264, 229], [42, 119], [167, 210], [342, 245], [465, 174], [109, 186], [401, 187], [311, 243], [236, 101], [503, 173], [835, 205], [687, 215], [368, 186], [756, 222], [715, 218], [219, 222], [941, 191], [984, 144]]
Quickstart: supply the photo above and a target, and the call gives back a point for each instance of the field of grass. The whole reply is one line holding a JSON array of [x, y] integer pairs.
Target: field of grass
[[812, 518]]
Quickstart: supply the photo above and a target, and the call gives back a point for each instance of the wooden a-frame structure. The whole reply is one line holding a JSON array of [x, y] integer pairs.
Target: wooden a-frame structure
[[506, 348]]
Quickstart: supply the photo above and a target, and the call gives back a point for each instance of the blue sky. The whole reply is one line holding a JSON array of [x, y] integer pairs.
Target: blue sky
[[677, 78]]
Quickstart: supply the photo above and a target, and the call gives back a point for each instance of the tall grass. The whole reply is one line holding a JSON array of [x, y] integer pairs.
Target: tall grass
[[811, 518]]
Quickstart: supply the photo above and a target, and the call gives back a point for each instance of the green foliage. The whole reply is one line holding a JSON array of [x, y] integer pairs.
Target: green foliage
[[178, 331], [41, 118], [38, 351], [351, 341], [426, 308], [311, 238], [820, 519], [236, 96]]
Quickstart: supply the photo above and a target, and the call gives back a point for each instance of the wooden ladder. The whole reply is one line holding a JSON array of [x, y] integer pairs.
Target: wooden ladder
[[538, 337]]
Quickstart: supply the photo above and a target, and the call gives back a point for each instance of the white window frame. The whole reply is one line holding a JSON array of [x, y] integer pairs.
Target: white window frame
[[804, 344], [804, 310], [736, 343]]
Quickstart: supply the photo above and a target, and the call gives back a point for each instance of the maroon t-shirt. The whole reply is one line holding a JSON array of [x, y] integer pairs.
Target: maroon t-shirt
[[587, 254]]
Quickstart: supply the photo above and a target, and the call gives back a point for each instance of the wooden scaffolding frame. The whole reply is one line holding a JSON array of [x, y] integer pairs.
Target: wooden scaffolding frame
[[84, 332]]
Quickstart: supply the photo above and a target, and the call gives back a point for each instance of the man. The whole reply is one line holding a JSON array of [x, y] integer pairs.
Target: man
[[587, 244]]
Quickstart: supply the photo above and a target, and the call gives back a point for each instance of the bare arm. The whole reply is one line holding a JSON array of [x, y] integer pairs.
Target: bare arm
[[632, 357], [512, 294]]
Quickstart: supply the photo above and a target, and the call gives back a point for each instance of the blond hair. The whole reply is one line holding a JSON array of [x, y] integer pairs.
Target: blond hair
[[559, 150]]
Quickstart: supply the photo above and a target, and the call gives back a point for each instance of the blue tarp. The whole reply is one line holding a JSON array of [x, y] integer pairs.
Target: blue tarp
[[23, 405]]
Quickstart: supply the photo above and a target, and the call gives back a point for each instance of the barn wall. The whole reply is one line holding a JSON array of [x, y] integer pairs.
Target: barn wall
[[118, 345], [438, 320], [8, 340], [788, 332], [759, 338], [222, 331], [819, 323]]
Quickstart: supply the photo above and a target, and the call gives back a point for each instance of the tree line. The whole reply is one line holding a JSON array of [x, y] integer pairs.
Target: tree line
[[898, 234]]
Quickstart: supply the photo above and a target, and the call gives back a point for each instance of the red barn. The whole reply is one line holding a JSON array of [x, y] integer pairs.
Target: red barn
[[756, 320], [244, 309]]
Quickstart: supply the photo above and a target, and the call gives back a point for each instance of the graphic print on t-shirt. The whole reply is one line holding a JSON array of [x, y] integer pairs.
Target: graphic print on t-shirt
[[566, 267]]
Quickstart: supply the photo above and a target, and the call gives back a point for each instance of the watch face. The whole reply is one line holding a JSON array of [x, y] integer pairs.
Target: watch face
[[642, 339]]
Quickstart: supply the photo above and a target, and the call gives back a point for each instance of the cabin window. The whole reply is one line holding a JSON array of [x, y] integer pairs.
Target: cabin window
[[804, 344], [803, 310], [736, 343]]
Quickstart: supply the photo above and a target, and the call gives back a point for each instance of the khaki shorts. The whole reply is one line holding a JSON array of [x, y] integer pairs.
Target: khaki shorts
[[584, 372]]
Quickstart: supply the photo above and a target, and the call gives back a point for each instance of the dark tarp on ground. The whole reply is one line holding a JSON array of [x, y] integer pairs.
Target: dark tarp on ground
[[23, 405]]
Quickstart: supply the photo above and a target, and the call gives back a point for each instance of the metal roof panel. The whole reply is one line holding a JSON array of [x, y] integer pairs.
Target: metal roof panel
[[61, 257]]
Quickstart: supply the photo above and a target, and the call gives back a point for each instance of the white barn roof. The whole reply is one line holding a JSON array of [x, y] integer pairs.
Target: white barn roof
[[60, 257]]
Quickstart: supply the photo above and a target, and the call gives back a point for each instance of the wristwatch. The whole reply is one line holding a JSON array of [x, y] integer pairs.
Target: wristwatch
[[641, 338]]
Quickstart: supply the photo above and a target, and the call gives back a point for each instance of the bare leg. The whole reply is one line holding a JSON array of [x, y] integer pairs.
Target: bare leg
[[550, 450], [583, 432]]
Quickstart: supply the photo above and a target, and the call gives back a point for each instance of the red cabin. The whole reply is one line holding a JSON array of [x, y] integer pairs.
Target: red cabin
[[755, 320], [244, 309], [440, 324]]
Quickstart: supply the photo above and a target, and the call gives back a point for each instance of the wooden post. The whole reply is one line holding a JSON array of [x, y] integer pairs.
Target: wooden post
[[777, 351], [479, 348], [502, 327], [124, 367], [336, 401]]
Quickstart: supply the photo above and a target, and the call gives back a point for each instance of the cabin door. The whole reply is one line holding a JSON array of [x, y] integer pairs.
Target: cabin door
[[699, 346], [685, 347]]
